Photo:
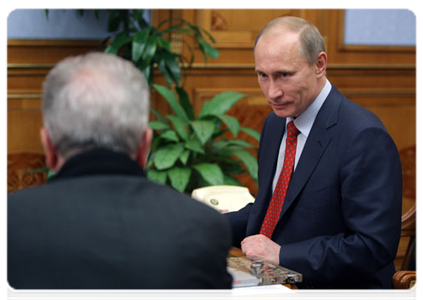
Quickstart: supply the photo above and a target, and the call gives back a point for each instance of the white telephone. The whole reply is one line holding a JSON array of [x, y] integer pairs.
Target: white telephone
[[224, 198]]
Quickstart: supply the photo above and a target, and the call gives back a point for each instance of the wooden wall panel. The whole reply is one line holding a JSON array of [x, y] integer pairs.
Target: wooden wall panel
[[24, 123], [385, 80], [233, 28]]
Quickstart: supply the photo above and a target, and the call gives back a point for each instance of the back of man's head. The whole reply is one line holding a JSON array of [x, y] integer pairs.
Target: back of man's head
[[95, 100]]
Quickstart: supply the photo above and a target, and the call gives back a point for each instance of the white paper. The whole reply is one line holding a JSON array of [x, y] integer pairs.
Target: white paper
[[255, 291]]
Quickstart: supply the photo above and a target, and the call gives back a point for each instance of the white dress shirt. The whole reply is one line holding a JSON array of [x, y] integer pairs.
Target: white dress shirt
[[304, 123]]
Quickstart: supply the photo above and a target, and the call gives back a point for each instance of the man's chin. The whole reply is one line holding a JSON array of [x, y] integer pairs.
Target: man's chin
[[282, 113]]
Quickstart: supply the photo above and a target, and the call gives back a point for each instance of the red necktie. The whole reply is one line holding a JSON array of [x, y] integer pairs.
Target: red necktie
[[278, 197]]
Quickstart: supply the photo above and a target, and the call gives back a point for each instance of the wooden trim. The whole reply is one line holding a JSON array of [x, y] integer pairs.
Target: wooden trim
[[25, 96], [363, 48], [246, 66], [379, 92], [52, 43], [371, 66], [30, 66]]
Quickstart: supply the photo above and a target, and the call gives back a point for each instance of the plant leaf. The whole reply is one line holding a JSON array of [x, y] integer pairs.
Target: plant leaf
[[120, 40], [158, 115], [164, 43], [150, 49], [184, 157], [226, 147], [162, 67], [194, 144], [137, 14], [228, 180], [179, 125], [251, 132], [172, 64], [179, 177], [185, 103], [80, 12], [170, 135], [97, 13], [114, 20], [148, 74], [249, 161], [240, 143], [207, 49], [231, 122], [156, 142], [209, 35], [172, 101], [157, 176], [220, 104], [139, 43], [211, 173], [158, 125], [203, 130], [165, 157]]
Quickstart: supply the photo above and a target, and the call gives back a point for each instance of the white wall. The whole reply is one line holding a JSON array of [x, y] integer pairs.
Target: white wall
[[61, 24]]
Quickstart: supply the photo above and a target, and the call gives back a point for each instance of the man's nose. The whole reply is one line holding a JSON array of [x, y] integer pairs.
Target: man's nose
[[275, 91]]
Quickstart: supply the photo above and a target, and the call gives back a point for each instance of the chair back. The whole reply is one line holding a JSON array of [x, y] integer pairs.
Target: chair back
[[20, 167]]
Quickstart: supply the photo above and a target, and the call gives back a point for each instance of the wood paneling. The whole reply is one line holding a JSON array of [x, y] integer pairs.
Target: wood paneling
[[23, 126], [233, 29], [382, 79]]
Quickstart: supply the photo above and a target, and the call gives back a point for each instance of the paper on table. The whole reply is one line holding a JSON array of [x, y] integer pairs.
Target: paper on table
[[262, 290]]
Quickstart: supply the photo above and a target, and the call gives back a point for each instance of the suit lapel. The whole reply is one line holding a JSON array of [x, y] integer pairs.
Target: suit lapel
[[270, 141], [274, 138], [314, 148]]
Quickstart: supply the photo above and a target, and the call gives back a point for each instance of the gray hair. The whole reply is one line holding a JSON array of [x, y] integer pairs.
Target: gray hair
[[311, 41], [95, 100]]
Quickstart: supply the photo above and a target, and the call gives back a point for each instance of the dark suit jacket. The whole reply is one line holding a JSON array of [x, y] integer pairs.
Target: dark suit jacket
[[100, 224], [341, 220]]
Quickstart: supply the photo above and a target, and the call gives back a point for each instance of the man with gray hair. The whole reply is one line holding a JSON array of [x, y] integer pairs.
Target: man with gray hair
[[330, 185], [100, 223]]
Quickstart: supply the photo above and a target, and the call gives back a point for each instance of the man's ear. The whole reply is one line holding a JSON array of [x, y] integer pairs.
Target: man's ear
[[144, 147], [321, 64], [52, 156]]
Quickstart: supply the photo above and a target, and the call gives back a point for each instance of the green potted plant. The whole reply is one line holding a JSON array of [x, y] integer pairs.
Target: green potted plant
[[194, 151], [148, 47], [188, 151]]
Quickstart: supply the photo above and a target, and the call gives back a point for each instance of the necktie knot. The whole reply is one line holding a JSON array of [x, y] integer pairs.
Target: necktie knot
[[292, 130]]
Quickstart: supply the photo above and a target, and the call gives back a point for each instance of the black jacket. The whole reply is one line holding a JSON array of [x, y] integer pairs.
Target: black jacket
[[101, 224]]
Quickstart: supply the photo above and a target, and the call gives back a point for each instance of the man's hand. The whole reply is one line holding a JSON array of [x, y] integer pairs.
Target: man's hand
[[260, 247]]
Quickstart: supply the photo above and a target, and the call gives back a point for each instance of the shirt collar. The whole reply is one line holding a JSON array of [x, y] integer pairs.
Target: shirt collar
[[305, 121], [99, 162]]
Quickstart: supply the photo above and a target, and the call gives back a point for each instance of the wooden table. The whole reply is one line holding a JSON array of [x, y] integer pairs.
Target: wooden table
[[237, 252]]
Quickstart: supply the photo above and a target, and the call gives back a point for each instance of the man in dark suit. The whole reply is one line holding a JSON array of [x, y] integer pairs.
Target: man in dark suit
[[330, 190], [100, 223]]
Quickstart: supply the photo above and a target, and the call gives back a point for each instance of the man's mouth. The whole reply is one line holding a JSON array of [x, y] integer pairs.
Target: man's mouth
[[280, 105]]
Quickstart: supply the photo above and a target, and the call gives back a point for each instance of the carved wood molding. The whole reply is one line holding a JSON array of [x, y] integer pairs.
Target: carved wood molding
[[18, 167], [404, 279]]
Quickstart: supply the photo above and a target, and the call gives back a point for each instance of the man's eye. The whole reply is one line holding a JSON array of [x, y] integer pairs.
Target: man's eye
[[262, 76], [284, 75]]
